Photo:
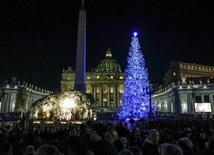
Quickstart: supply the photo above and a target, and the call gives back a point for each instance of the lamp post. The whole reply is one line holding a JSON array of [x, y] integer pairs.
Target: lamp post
[[150, 91]]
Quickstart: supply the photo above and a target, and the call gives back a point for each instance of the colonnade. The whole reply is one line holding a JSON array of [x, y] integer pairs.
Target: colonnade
[[178, 100], [109, 98]]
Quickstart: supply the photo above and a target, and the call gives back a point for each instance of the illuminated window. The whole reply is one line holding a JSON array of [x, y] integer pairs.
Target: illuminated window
[[88, 77], [68, 77], [112, 104], [121, 77], [105, 89], [88, 89], [69, 88], [111, 89], [104, 102], [174, 74], [98, 89], [121, 89]]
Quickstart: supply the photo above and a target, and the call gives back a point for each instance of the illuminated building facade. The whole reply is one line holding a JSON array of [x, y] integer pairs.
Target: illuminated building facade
[[185, 87], [105, 83], [19, 97]]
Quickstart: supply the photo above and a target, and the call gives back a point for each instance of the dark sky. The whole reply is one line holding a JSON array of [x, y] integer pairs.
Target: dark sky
[[38, 37]]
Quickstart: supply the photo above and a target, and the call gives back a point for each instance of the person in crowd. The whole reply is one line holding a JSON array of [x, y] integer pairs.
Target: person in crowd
[[136, 150], [19, 146], [111, 134], [122, 131], [151, 143], [125, 152], [209, 134], [37, 142], [86, 130], [74, 145], [121, 144], [209, 148], [186, 146], [136, 138], [100, 145], [30, 150], [171, 149], [201, 141], [48, 150], [6, 148], [161, 146]]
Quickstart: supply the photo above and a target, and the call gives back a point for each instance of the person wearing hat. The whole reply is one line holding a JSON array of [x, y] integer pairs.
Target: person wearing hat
[[100, 145], [186, 146]]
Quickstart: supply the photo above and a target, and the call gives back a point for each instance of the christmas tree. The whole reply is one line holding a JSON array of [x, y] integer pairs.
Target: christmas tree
[[136, 97]]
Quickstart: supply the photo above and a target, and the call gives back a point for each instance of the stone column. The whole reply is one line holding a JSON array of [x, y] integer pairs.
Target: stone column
[[108, 97], [11, 102], [176, 101], [5, 103], [171, 103], [202, 98], [100, 97], [114, 97], [190, 104], [211, 102], [2, 103], [118, 96], [95, 93]]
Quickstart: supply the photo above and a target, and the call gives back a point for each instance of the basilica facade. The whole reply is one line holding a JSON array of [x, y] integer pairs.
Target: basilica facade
[[105, 83]]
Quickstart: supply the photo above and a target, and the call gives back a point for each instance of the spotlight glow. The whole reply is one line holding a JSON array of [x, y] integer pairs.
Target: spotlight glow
[[68, 103], [135, 34]]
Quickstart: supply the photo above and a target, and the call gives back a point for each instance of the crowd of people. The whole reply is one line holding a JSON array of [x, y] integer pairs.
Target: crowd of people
[[163, 135]]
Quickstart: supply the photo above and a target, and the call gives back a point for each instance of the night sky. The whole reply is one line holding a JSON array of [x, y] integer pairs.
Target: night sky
[[38, 37]]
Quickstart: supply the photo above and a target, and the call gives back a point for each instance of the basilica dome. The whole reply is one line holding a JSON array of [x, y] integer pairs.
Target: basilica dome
[[108, 65]]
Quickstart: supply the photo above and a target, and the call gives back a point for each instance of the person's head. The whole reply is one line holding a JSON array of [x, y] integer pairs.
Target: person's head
[[209, 133], [48, 150], [185, 143], [136, 150], [88, 125], [98, 132], [202, 136], [162, 146], [74, 145], [30, 150], [172, 150], [125, 152], [123, 141], [153, 136], [111, 127]]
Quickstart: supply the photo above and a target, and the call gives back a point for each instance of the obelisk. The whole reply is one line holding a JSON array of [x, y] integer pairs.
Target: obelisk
[[80, 69]]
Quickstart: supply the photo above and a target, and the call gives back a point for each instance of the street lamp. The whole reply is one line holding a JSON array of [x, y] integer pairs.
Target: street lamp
[[150, 91]]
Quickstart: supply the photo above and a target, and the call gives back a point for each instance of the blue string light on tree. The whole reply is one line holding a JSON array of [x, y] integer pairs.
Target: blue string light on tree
[[136, 99]]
